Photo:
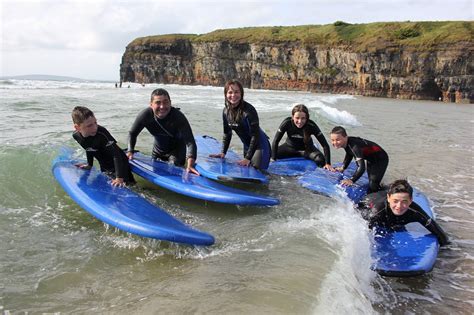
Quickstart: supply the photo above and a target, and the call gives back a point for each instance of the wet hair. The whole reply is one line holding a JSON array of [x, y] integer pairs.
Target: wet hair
[[234, 115], [158, 92], [339, 130], [80, 114], [400, 186], [300, 108], [306, 135], [234, 82]]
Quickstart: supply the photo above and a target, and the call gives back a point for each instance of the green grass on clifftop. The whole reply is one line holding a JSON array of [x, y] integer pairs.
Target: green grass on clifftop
[[373, 36]]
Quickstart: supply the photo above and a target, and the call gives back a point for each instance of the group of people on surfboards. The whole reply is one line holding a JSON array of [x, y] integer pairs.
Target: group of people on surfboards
[[174, 142]]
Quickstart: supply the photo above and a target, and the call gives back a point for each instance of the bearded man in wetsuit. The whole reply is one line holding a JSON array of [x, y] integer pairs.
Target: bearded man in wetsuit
[[174, 139], [394, 208], [364, 152]]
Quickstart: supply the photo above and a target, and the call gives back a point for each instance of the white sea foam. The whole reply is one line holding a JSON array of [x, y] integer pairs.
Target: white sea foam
[[333, 114], [347, 288], [44, 84]]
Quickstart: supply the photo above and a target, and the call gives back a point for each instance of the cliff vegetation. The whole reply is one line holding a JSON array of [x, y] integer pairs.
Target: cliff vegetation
[[417, 60]]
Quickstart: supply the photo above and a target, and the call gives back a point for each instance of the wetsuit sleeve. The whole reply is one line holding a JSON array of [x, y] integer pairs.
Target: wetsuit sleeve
[[112, 149], [359, 160], [254, 126], [347, 159], [227, 134], [278, 135], [90, 158], [322, 140], [137, 127], [359, 172], [188, 137], [431, 225], [434, 228], [121, 169], [89, 155]]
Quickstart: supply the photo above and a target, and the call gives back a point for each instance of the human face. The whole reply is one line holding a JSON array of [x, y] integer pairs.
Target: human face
[[299, 119], [233, 95], [399, 202], [161, 105], [338, 141], [88, 128]]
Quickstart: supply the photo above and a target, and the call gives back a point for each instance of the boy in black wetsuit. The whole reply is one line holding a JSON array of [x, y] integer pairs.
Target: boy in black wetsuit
[[395, 207], [364, 152], [299, 129], [100, 144], [174, 139]]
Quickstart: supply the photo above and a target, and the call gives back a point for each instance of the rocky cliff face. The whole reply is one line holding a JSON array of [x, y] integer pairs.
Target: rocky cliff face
[[443, 72]]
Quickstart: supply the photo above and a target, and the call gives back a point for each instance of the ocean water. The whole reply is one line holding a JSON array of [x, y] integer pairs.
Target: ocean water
[[309, 255]]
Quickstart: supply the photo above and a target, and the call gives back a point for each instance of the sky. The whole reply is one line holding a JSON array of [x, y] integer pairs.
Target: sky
[[87, 38]]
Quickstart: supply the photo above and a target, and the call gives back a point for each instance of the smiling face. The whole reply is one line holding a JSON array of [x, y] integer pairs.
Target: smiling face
[[338, 141], [161, 105], [233, 95], [299, 119], [87, 128], [399, 202]]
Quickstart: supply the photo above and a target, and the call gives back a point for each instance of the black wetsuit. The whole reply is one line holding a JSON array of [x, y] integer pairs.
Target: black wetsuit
[[174, 140], [365, 151], [104, 148], [295, 146], [256, 145], [376, 209]]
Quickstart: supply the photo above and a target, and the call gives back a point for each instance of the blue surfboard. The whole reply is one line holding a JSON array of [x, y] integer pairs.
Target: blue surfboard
[[291, 166], [326, 183], [121, 207], [410, 251], [178, 180], [407, 252], [225, 169]]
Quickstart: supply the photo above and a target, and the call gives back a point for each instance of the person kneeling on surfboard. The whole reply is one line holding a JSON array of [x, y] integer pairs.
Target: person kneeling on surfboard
[[298, 129], [174, 140], [364, 152], [100, 144], [395, 207], [240, 116]]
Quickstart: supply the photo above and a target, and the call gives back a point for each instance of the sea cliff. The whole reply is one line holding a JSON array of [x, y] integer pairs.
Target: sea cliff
[[408, 60]]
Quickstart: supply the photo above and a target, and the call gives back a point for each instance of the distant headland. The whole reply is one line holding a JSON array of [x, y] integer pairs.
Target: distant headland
[[47, 77], [407, 60]]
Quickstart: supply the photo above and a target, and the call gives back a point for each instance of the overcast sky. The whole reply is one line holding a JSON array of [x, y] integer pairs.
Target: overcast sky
[[86, 38]]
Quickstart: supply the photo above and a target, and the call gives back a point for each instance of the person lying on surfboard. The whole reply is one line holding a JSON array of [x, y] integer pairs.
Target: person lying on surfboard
[[394, 207], [366, 154], [299, 129], [174, 139], [100, 144], [240, 116]]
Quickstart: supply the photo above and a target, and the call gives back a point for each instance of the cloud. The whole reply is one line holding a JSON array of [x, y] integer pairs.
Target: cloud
[[106, 25], [95, 28]]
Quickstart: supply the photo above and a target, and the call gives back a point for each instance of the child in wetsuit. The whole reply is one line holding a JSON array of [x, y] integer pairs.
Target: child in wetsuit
[[100, 144], [299, 129], [240, 116], [364, 152], [395, 207]]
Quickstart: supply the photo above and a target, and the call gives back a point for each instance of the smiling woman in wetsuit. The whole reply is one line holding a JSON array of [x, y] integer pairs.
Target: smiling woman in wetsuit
[[240, 116], [299, 129]]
